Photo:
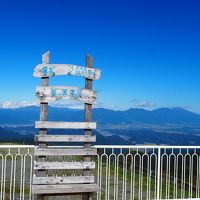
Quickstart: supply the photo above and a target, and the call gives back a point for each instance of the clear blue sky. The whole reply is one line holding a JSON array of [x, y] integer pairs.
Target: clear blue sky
[[148, 51]]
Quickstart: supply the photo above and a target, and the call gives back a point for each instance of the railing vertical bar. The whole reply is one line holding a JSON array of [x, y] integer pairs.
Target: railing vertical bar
[[155, 167], [131, 177], [174, 177], [106, 179], [98, 175], [4, 178], [117, 178], [141, 175], [2, 167], [100, 179], [158, 174], [190, 171], [148, 176], [166, 176], [198, 176], [133, 191], [109, 176], [21, 176], [115, 175], [31, 174], [123, 178], [182, 175]]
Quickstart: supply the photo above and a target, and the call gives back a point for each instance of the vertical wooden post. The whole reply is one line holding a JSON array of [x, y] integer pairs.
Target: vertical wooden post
[[87, 118], [43, 117]]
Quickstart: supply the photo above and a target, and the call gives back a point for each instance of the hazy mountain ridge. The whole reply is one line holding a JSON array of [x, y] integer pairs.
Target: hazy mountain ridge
[[133, 126], [162, 116]]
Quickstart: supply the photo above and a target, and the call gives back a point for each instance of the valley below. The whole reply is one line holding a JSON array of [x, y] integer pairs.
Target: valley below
[[135, 126]]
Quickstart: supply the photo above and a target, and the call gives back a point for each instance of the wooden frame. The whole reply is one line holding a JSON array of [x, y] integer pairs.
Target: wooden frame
[[43, 184]]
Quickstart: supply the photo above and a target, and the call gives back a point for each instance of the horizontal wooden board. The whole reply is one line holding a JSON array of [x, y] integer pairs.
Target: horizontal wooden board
[[47, 94], [65, 138], [65, 125], [63, 152], [62, 180], [64, 165], [47, 70], [64, 189]]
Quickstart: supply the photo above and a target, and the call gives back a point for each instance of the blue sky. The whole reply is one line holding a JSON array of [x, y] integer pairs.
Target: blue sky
[[148, 51]]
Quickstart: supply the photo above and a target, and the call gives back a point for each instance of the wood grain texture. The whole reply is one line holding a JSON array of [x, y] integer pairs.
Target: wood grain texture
[[43, 117], [65, 138], [62, 180], [64, 152], [46, 58], [65, 125], [88, 118], [64, 189], [47, 70], [55, 93], [64, 165]]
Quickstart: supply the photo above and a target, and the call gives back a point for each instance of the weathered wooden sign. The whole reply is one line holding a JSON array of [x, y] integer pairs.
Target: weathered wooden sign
[[46, 70], [54, 93], [44, 183]]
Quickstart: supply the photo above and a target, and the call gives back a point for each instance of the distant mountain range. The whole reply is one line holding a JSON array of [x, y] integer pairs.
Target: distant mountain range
[[133, 126], [28, 115]]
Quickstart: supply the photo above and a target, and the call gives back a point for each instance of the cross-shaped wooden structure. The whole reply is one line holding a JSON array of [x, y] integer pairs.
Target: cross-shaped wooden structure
[[44, 183]]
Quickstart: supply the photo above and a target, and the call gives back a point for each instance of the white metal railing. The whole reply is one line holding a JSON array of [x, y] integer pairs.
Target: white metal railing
[[149, 172], [123, 172], [15, 171]]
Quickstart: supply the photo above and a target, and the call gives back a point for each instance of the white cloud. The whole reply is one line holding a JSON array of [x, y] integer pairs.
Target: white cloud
[[142, 104], [11, 104], [79, 105], [67, 104], [58, 104]]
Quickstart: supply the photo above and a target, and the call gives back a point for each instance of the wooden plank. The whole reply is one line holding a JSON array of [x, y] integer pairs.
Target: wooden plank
[[65, 125], [63, 152], [64, 189], [55, 93], [65, 138], [62, 180], [64, 165], [47, 70]]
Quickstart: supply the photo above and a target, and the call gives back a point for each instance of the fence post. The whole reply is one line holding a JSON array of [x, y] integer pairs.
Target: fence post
[[158, 174]]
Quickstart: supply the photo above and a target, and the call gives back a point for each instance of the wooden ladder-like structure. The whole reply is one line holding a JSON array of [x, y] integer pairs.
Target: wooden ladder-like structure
[[82, 182]]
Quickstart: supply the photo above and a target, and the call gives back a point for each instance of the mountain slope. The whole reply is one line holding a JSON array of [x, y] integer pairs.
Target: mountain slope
[[133, 126], [28, 115]]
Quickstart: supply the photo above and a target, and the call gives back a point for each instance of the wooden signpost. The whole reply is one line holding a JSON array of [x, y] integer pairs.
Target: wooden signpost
[[43, 183], [47, 70], [48, 94]]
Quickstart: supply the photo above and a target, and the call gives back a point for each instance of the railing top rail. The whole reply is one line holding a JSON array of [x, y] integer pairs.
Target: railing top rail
[[145, 147], [131, 147], [135, 147], [111, 146], [15, 146]]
